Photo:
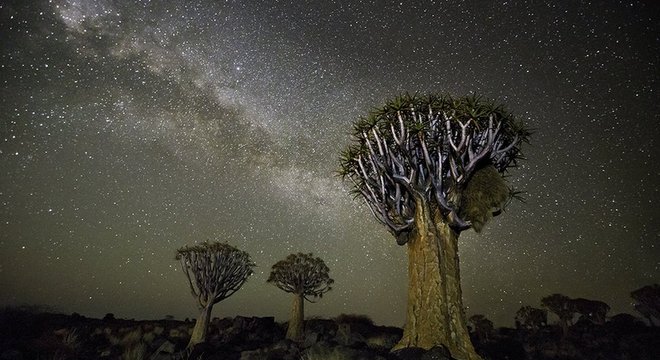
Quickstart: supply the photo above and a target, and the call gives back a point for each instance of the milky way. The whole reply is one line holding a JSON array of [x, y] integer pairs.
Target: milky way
[[131, 128]]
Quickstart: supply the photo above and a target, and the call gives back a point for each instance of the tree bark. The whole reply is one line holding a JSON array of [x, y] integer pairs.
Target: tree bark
[[295, 331], [435, 314], [201, 327]]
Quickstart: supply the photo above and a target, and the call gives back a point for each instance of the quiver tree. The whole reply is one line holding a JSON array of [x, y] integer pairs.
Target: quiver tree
[[647, 302], [531, 318], [592, 310], [306, 277], [215, 271], [429, 168], [563, 307]]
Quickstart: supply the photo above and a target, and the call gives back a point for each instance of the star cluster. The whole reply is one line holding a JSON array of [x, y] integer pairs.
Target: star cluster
[[131, 128]]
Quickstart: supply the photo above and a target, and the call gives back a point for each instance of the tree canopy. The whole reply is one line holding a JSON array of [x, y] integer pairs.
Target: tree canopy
[[215, 270], [432, 147], [302, 274], [560, 305], [531, 318]]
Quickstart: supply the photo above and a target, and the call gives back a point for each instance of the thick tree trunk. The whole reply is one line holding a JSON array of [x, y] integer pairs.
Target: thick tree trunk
[[201, 327], [435, 313], [295, 331]]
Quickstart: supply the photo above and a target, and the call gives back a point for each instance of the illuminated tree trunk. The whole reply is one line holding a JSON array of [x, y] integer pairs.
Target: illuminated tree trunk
[[201, 326], [435, 313], [295, 331]]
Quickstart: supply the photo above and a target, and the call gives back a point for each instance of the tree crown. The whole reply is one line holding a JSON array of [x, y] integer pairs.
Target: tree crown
[[214, 271], [530, 317], [302, 274], [431, 147]]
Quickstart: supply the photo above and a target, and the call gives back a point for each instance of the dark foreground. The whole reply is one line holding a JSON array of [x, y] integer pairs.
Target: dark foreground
[[29, 334]]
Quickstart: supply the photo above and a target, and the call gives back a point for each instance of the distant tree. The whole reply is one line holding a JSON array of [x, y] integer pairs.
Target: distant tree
[[531, 318], [563, 307], [215, 271], [626, 323], [109, 317], [592, 310], [305, 276], [647, 302], [430, 167], [483, 327]]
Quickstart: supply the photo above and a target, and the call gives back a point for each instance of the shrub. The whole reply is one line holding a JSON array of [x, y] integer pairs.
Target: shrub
[[354, 319]]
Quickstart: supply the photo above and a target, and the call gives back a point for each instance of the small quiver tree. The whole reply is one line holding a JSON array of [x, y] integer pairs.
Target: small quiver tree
[[428, 168], [591, 310], [215, 271], [563, 307], [531, 318], [647, 302], [306, 277]]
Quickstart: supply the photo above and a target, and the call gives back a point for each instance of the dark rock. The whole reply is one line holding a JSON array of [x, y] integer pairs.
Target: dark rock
[[259, 354], [413, 353], [410, 353], [281, 350], [311, 338], [11, 355], [383, 341], [437, 353], [287, 345], [164, 349], [321, 326], [346, 336], [223, 324]]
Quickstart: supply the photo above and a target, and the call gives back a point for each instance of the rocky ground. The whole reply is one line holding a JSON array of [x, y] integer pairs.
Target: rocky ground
[[28, 334]]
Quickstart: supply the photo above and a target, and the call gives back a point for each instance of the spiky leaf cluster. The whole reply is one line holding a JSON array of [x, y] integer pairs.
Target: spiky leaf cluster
[[428, 147], [215, 270], [302, 274]]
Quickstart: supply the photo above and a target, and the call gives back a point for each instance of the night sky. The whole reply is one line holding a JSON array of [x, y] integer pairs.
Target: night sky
[[131, 128]]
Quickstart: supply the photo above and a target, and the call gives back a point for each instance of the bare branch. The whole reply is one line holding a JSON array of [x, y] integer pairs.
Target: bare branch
[[430, 153]]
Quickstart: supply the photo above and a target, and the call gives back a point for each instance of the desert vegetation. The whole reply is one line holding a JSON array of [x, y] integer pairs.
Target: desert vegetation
[[40, 333], [430, 167], [214, 271], [307, 278]]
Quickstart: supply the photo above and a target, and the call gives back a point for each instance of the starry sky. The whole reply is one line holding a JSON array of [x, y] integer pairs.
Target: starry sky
[[131, 128]]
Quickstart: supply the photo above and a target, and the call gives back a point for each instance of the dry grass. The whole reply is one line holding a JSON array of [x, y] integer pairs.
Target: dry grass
[[135, 351]]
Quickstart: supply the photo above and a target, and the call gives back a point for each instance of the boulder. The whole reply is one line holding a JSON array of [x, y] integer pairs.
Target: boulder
[[437, 353]]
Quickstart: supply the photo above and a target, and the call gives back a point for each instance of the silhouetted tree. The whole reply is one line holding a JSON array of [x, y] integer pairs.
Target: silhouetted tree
[[647, 302], [531, 318], [215, 271], [592, 310], [429, 168], [483, 327], [305, 276], [626, 323], [563, 307]]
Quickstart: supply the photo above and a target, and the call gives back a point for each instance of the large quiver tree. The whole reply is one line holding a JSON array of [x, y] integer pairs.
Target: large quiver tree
[[306, 277], [215, 271], [428, 168]]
